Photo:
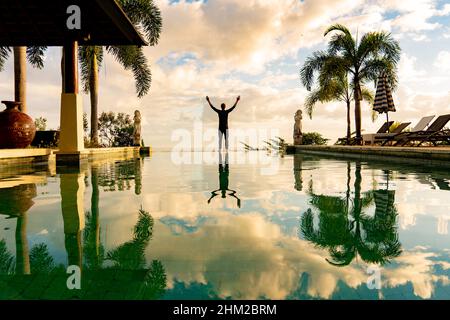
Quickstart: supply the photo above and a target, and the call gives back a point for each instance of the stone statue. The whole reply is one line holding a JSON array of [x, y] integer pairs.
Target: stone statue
[[298, 135], [137, 129]]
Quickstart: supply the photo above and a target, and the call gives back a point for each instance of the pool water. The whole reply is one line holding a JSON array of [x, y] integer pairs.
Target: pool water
[[252, 226]]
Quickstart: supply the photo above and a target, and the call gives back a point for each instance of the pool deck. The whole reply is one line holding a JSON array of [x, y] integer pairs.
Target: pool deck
[[430, 155], [13, 157]]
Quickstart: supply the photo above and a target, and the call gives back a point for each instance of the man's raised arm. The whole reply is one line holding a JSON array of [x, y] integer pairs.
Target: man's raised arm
[[235, 105], [210, 104]]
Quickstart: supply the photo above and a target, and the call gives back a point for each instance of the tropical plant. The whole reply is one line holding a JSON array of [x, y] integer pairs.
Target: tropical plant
[[314, 138], [40, 124], [146, 16], [363, 60], [34, 55], [116, 130]]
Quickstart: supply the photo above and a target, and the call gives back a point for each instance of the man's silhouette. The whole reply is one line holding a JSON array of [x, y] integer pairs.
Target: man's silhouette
[[223, 121], [224, 174]]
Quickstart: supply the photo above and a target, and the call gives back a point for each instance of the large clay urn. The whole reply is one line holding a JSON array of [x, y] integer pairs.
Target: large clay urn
[[17, 130]]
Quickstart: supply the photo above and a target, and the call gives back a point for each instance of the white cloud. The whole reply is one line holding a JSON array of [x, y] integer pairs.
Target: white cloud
[[442, 61], [414, 15]]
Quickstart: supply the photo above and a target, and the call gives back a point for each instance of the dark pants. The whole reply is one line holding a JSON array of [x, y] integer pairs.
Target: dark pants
[[222, 134]]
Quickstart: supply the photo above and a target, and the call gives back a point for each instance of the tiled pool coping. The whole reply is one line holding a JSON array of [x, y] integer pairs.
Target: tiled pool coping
[[34, 155]]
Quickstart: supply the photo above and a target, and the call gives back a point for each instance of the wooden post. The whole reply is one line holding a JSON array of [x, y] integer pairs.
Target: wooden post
[[71, 68], [71, 141]]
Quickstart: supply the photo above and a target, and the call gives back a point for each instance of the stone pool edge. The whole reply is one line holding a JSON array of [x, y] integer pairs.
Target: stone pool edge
[[423, 155], [12, 157]]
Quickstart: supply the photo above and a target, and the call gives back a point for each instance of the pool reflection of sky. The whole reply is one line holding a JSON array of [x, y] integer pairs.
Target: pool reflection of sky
[[258, 251]]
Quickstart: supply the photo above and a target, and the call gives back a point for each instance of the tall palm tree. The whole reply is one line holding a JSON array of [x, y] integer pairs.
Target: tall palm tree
[[333, 87], [34, 55], [363, 60], [146, 16]]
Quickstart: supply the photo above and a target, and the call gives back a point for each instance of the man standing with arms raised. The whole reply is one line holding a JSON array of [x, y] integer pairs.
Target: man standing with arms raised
[[223, 121]]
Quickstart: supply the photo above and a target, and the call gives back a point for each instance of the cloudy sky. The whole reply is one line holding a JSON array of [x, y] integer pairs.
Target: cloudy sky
[[255, 48]]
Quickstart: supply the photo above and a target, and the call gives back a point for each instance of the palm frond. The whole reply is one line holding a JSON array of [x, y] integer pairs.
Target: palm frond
[[379, 44], [146, 16], [367, 95], [35, 56], [4, 54], [372, 68], [133, 58], [312, 65], [342, 41]]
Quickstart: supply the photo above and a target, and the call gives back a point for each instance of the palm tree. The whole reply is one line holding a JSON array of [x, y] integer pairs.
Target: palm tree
[[333, 87], [363, 60], [35, 56], [94, 250], [146, 16]]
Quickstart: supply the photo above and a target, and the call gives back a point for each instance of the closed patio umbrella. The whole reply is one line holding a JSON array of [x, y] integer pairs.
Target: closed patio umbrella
[[384, 103]]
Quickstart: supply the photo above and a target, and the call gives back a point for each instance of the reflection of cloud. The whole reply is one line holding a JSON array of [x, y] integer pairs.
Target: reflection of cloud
[[416, 267], [443, 225], [247, 257], [407, 217]]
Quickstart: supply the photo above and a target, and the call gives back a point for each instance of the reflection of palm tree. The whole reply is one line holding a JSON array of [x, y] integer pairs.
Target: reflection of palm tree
[[347, 232], [6, 259], [93, 250], [130, 256], [40, 260]]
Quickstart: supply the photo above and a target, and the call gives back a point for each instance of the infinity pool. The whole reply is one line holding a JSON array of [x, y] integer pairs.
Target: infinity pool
[[247, 226]]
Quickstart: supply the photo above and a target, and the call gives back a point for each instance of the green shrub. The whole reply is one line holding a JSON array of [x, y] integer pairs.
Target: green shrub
[[314, 138]]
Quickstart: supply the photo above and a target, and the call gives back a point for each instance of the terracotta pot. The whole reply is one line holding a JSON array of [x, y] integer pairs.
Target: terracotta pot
[[17, 129]]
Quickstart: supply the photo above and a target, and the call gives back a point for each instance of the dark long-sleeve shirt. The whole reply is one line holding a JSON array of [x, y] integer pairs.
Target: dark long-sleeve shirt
[[223, 118]]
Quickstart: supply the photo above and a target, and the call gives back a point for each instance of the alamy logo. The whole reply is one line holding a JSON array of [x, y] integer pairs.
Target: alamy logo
[[74, 20], [74, 280]]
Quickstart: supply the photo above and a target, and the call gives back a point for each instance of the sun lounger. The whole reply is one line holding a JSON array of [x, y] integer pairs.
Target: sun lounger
[[343, 141], [384, 129], [382, 137], [433, 134], [421, 126]]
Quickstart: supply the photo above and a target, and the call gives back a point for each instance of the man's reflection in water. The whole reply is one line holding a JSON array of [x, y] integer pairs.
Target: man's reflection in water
[[224, 173]]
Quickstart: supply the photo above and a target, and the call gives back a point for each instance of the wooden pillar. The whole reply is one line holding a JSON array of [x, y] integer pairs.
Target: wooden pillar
[[71, 143], [71, 68]]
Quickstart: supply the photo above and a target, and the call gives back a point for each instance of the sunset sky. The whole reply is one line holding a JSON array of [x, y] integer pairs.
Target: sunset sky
[[255, 48]]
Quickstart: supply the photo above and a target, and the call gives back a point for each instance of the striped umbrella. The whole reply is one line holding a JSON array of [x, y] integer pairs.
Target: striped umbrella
[[384, 103]]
